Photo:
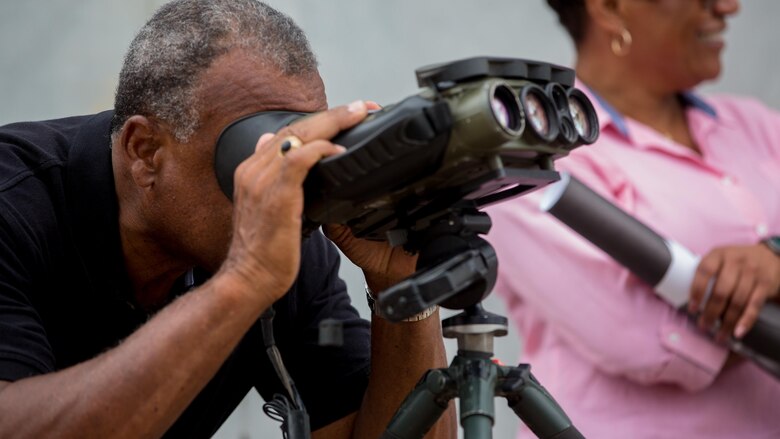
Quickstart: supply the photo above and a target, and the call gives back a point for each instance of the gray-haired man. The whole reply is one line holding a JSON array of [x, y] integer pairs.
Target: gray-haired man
[[107, 220]]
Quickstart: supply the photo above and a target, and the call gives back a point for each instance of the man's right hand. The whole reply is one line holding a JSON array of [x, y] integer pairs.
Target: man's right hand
[[268, 197]]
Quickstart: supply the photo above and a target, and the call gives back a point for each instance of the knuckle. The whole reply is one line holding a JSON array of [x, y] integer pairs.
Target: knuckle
[[298, 129], [750, 268], [718, 296], [708, 267], [731, 315], [738, 301], [763, 283], [293, 159]]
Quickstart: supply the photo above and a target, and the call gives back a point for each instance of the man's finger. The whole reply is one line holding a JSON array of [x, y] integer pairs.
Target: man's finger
[[298, 162], [326, 124]]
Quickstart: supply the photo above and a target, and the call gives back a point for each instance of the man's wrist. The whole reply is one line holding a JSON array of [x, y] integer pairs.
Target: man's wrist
[[235, 284], [375, 310]]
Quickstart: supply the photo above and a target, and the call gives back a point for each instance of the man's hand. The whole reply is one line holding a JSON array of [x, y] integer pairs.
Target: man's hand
[[744, 278], [383, 266], [268, 199]]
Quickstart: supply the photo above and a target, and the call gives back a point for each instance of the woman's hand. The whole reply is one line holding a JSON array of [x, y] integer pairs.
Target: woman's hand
[[744, 278]]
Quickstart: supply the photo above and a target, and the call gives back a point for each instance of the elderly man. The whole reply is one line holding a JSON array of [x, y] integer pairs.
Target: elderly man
[[107, 220]]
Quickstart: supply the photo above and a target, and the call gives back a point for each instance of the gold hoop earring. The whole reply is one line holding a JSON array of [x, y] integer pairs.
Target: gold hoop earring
[[622, 44]]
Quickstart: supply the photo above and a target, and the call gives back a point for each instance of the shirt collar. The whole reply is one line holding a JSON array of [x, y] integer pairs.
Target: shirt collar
[[607, 114]]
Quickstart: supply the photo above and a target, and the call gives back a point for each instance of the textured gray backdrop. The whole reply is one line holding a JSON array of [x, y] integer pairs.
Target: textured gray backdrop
[[61, 57]]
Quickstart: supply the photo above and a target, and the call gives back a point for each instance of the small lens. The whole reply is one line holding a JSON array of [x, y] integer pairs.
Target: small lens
[[540, 112], [557, 93], [580, 118], [506, 109], [539, 118], [584, 116]]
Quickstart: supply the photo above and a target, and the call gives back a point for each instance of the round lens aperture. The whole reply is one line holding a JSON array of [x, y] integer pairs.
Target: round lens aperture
[[583, 115], [539, 112], [500, 111], [557, 93], [506, 109], [581, 123], [567, 134], [537, 115]]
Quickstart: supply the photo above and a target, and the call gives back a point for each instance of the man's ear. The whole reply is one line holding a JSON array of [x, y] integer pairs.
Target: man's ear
[[606, 15], [140, 141]]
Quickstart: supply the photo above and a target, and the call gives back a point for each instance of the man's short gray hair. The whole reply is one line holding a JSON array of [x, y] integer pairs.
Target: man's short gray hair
[[183, 38]]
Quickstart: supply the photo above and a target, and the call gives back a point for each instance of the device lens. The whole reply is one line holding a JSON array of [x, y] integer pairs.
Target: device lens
[[580, 118], [584, 116], [537, 116], [506, 109]]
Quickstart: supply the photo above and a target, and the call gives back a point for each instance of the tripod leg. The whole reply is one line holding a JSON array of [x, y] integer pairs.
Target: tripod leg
[[422, 407], [534, 405]]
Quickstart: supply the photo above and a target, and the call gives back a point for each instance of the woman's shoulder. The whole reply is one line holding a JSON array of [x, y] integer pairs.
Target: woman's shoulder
[[756, 121]]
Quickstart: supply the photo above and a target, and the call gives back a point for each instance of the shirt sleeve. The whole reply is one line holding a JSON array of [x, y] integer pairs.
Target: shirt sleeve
[[595, 305], [331, 379], [24, 348]]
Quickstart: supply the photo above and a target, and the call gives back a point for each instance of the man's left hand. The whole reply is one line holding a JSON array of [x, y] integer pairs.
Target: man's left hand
[[383, 266]]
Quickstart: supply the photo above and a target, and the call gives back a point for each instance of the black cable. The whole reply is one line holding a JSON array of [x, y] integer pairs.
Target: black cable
[[289, 410], [278, 409]]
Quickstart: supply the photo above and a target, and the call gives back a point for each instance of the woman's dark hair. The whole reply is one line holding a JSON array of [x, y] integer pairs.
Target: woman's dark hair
[[573, 17]]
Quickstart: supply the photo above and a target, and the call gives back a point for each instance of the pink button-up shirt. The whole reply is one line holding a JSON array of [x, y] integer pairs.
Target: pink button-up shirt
[[620, 361]]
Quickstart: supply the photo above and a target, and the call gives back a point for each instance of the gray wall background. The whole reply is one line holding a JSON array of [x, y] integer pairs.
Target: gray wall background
[[61, 57]]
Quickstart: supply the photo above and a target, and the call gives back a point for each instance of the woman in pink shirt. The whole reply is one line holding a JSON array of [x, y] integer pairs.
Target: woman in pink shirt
[[704, 172]]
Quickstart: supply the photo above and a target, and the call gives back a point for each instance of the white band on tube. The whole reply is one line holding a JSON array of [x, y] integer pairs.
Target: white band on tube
[[554, 192], [675, 286]]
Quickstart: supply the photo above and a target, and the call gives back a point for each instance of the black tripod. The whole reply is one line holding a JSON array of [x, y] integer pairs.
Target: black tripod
[[458, 271]]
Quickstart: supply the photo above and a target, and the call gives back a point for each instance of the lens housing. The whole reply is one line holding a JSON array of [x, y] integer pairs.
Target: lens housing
[[583, 115], [567, 134], [506, 109], [539, 112]]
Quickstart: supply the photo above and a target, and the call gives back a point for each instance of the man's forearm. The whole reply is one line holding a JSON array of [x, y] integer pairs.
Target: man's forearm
[[139, 388], [400, 354]]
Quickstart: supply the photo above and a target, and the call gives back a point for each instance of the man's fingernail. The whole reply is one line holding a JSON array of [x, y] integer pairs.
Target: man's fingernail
[[356, 106], [740, 331], [340, 148]]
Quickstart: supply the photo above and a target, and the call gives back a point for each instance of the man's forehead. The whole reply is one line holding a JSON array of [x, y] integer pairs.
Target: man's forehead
[[239, 85]]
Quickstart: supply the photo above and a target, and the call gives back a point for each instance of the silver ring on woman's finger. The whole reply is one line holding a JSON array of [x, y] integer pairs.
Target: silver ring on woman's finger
[[289, 143]]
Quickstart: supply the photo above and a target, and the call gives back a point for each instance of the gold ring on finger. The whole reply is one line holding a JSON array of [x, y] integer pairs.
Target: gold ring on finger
[[289, 143]]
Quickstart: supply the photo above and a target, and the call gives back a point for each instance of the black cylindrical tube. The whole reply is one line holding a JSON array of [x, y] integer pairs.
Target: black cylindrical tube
[[628, 241]]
